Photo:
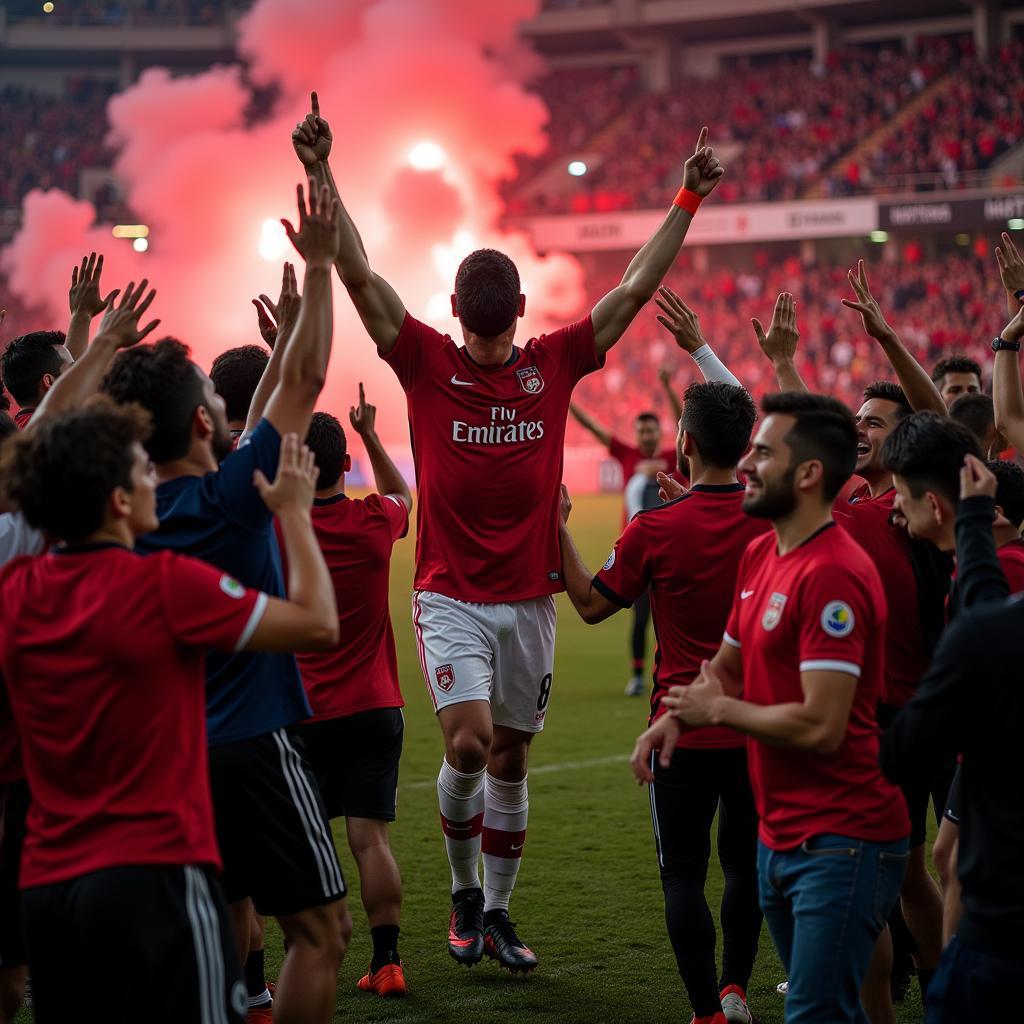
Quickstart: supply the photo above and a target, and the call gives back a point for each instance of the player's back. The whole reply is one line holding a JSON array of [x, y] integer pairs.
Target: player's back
[[356, 537]]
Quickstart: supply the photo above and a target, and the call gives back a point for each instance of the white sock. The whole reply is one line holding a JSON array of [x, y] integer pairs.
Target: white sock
[[461, 798], [263, 999], [506, 806]]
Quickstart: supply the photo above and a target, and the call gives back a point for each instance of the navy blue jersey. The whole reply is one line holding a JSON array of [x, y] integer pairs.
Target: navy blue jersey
[[221, 519]]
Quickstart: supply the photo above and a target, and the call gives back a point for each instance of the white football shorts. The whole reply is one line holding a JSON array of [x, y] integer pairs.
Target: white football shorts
[[501, 653]]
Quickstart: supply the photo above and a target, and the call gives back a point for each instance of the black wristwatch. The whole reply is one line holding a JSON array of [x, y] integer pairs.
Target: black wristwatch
[[1001, 344]]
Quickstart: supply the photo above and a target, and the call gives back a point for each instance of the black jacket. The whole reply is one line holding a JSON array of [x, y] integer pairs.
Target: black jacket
[[972, 701]]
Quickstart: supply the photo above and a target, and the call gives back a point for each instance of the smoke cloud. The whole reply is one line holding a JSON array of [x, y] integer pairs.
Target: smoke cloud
[[391, 74]]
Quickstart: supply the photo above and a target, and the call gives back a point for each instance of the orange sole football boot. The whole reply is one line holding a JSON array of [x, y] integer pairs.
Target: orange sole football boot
[[388, 982]]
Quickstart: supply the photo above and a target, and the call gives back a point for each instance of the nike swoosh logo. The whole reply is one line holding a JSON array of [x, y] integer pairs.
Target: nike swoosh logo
[[463, 383], [744, 594], [519, 847]]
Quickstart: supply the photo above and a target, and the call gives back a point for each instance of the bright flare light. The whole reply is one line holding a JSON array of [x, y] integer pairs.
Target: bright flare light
[[273, 240], [140, 244], [1015, 223], [48, 7], [427, 156], [577, 168]]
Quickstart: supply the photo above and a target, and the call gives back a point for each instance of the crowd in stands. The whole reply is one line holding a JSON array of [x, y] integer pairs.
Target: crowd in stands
[[131, 12], [938, 308], [788, 122]]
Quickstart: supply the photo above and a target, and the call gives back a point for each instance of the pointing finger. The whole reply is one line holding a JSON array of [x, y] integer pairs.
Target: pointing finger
[[702, 139], [314, 103]]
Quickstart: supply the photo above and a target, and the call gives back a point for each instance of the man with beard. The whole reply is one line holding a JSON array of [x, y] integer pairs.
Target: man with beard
[[805, 645], [272, 829]]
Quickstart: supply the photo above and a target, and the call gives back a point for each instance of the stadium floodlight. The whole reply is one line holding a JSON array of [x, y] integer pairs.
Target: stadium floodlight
[[1015, 223], [130, 231], [427, 156], [48, 7], [140, 244], [879, 236], [577, 168], [273, 240]]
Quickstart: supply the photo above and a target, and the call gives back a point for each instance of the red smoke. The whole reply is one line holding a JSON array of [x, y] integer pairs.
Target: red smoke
[[390, 74]]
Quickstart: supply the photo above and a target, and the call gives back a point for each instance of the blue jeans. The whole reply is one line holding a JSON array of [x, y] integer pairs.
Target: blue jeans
[[972, 985], [826, 902]]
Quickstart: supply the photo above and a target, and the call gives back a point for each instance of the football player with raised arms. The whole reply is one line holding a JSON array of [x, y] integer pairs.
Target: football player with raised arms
[[488, 423]]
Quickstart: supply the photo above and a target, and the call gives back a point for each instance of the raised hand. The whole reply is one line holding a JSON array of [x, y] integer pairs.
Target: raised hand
[[1011, 267], [679, 320], [1014, 330], [976, 479], [703, 171], [669, 488], [779, 344], [276, 319], [363, 417], [84, 294], [874, 321], [312, 137], [665, 375], [294, 487], [319, 233], [122, 321]]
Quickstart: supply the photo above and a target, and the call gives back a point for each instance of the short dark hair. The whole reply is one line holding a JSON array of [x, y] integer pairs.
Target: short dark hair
[[648, 417], [326, 440], [928, 450], [955, 364], [487, 292], [976, 412], [236, 375], [1009, 489], [27, 359], [162, 378], [825, 430], [889, 392], [61, 473], [719, 417]]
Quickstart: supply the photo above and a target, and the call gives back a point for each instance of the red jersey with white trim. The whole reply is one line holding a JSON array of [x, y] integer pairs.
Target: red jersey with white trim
[[103, 657], [361, 673], [820, 607], [868, 521], [487, 444], [692, 584]]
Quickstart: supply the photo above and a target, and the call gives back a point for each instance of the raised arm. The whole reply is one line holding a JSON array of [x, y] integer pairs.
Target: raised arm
[[617, 310], [85, 302], [601, 433], [779, 344], [674, 402], [683, 324], [308, 619], [1007, 397], [389, 481], [308, 349], [1011, 273], [276, 322], [378, 305], [922, 394], [591, 605], [119, 329]]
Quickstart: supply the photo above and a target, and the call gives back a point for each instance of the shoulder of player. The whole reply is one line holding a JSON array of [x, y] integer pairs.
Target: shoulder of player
[[841, 563], [669, 509]]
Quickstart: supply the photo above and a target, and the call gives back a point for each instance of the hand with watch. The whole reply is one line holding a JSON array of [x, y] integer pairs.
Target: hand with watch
[[1010, 337]]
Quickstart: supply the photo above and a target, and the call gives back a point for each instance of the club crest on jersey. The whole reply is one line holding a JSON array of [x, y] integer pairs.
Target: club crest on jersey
[[837, 619], [530, 380], [445, 675], [773, 612]]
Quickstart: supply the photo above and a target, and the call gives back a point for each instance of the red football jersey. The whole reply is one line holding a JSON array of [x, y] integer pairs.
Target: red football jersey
[[23, 416], [629, 457], [1011, 559], [820, 607], [103, 656], [867, 520], [692, 585], [361, 673], [487, 444]]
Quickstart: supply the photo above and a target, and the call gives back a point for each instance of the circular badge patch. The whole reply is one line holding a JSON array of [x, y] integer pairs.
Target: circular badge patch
[[837, 619], [611, 561], [231, 586]]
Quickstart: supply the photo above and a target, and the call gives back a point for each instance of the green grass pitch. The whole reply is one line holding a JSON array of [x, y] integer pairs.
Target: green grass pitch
[[588, 898]]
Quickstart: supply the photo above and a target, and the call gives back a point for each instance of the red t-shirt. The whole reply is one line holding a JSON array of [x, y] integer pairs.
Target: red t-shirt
[[866, 519], [361, 673], [23, 416], [692, 585], [103, 656], [1011, 559], [629, 457], [487, 444], [820, 607]]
